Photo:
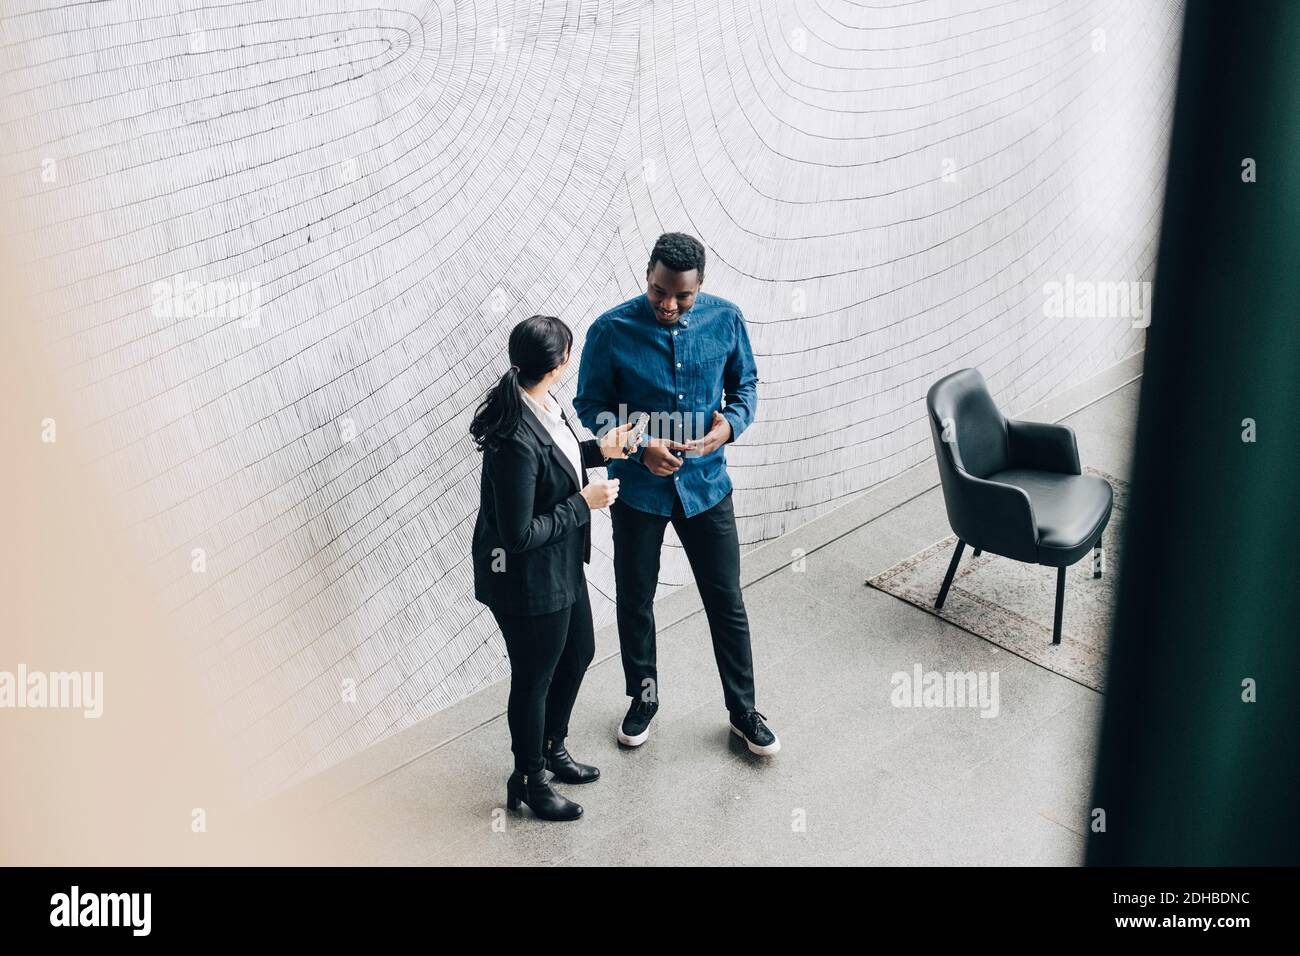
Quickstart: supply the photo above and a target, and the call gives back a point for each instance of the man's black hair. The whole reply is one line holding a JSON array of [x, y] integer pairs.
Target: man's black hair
[[679, 252]]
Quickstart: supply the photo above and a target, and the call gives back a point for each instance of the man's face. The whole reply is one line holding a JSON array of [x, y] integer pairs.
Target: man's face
[[671, 294]]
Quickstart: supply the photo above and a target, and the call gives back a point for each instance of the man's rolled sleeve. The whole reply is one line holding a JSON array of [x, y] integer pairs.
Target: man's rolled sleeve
[[596, 398], [740, 382]]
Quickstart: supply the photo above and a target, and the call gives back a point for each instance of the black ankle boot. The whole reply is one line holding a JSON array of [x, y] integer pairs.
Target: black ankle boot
[[546, 804], [565, 768]]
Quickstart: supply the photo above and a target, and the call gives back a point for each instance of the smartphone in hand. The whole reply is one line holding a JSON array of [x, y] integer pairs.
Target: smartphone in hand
[[639, 422]]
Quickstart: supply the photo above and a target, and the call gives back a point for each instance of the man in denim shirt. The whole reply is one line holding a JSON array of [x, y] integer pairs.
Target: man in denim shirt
[[676, 354]]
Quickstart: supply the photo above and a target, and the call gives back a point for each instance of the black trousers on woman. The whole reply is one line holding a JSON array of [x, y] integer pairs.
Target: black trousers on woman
[[549, 654]]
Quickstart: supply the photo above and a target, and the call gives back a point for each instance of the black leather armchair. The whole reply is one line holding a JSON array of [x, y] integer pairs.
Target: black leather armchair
[[1013, 488]]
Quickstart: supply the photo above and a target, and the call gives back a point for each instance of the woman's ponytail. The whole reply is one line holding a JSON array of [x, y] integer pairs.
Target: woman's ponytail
[[538, 345]]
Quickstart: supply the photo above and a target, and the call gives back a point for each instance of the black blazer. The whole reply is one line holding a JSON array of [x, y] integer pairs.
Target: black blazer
[[533, 533]]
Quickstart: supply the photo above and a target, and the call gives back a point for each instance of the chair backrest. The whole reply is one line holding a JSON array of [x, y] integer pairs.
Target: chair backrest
[[969, 431], [970, 436]]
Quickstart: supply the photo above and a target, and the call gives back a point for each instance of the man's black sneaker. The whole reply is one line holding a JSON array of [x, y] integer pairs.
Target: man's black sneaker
[[750, 726], [635, 729]]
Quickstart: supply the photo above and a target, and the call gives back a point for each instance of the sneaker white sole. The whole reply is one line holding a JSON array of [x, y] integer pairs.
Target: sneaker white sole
[[754, 748], [635, 741]]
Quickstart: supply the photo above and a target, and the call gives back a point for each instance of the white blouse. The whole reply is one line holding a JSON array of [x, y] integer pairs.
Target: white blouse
[[561, 434]]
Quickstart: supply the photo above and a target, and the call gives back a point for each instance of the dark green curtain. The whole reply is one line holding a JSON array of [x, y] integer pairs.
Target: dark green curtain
[[1188, 773]]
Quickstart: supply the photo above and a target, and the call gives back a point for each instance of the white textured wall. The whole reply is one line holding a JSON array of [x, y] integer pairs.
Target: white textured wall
[[404, 181]]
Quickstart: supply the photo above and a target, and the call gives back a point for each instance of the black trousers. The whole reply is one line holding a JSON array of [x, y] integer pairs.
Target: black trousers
[[549, 655], [713, 549]]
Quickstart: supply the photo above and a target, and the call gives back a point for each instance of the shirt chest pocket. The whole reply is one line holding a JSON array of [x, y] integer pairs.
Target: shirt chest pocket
[[707, 370]]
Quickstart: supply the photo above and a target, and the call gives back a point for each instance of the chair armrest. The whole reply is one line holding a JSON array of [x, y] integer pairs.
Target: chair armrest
[[995, 517], [1043, 447]]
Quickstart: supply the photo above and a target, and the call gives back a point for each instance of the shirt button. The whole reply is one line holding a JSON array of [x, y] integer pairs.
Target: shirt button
[[674, 331], [679, 364], [675, 478], [681, 396]]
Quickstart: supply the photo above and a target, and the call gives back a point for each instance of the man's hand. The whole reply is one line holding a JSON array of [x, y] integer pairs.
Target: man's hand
[[659, 456], [718, 435]]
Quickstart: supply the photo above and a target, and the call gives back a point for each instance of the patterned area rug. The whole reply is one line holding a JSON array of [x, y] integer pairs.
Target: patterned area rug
[[1011, 603]]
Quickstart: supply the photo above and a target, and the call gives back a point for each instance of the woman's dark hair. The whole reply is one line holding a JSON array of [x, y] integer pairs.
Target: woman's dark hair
[[537, 345]]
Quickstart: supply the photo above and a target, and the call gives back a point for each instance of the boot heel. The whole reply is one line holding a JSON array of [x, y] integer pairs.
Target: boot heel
[[513, 794]]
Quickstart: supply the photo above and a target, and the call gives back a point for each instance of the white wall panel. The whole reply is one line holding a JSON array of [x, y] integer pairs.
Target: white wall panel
[[396, 184]]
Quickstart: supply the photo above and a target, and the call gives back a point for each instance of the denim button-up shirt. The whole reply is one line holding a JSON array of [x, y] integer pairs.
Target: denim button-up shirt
[[679, 374]]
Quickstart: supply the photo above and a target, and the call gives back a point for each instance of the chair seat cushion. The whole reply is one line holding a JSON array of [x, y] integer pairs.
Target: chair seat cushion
[[1071, 511]]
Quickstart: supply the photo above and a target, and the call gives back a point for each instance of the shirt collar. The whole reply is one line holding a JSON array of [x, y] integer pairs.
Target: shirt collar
[[551, 416]]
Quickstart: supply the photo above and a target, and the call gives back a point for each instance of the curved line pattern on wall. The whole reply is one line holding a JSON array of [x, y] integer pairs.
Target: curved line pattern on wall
[[278, 247]]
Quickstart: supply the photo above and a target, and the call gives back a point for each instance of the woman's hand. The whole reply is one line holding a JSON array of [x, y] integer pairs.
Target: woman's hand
[[614, 442], [600, 493]]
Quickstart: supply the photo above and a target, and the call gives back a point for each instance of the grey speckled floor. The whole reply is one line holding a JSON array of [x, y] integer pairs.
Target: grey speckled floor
[[858, 781]]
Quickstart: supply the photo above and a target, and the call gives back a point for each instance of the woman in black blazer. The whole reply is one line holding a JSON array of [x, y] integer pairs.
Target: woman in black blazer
[[532, 537]]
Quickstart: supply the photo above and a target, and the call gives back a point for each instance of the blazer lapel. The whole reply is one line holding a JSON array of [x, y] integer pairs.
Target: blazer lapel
[[572, 431], [545, 438]]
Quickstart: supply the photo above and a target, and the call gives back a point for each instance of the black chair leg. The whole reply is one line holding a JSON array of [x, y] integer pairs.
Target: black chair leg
[[1060, 604], [947, 578], [1098, 560]]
